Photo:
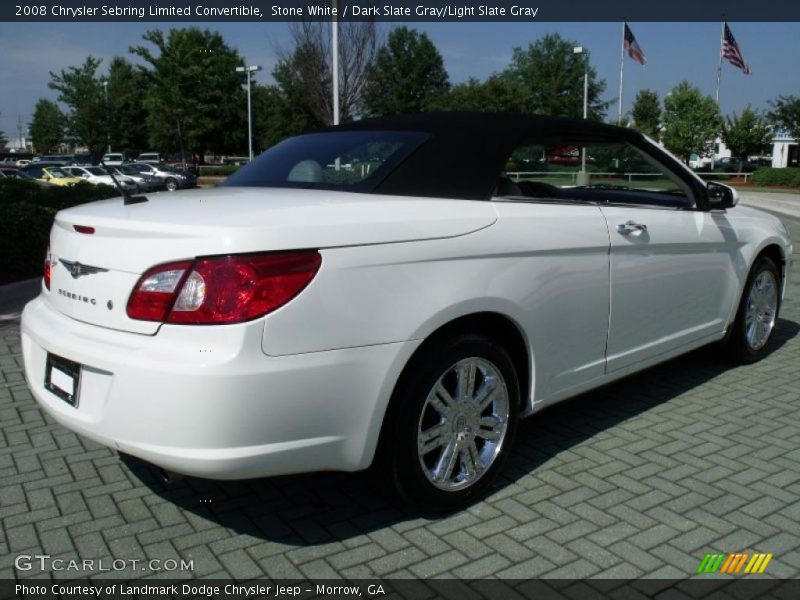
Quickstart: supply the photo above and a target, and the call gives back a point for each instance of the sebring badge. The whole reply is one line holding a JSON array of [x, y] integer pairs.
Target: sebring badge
[[76, 269]]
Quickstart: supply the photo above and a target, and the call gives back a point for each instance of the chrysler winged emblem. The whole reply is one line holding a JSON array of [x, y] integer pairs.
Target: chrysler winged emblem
[[76, 269]]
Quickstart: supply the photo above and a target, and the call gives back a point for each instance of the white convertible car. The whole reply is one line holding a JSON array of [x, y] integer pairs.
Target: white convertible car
[[400, 290]]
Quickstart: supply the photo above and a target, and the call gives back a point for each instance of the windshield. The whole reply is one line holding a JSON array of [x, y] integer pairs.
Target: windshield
[[344, 160], [53, 172], [96, 171]]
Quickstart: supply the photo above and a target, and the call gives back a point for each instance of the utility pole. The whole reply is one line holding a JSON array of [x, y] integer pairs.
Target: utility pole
[[248, 71]]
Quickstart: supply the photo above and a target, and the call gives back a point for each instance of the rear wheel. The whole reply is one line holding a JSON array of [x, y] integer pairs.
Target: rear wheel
[[453, 420], [758, 312]]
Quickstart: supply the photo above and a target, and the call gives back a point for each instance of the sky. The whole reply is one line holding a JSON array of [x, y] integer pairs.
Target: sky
[[675, 51]]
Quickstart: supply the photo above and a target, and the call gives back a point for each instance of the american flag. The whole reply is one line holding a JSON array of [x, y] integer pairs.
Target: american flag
[[732, 52], [632, 46]]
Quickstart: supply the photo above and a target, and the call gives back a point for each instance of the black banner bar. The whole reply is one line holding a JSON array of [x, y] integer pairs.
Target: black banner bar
[[707, 588], [176, 11]]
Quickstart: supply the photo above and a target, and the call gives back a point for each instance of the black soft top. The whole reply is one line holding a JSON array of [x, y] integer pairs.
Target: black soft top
[[467, 150]]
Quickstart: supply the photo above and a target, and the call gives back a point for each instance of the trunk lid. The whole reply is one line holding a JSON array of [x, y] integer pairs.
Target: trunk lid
[[130, 239]]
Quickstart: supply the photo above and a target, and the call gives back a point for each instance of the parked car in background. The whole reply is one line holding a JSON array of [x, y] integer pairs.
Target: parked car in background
[[98, 175], [144, 181], [307, 317], [81, 160], [113, 159], [173, 179], [50, 172], [13, 173], [61, 159], [152, 158], [734, 165]]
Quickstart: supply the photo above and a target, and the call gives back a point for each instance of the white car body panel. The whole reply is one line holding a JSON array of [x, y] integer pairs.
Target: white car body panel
[[306, 387], [129, 239], [328, 361]]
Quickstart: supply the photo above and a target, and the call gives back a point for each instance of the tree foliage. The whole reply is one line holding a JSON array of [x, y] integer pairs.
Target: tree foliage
[[3, 138], [785, 114], [47, 126], [82, 91], [194, 99], [496, 94], [646, 113], [304, 72], [746, 134], [407, 75], [278, 113], [549, 75], [125, 108], [691, 121]]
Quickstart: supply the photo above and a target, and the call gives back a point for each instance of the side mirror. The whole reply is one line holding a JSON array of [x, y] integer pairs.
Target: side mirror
[[720, 196]]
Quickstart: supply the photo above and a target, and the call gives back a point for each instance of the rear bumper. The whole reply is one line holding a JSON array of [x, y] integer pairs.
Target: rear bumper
[[206, 401]]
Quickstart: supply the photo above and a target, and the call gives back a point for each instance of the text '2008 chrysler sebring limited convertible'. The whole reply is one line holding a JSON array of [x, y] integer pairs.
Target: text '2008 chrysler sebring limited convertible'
[[401, 289]]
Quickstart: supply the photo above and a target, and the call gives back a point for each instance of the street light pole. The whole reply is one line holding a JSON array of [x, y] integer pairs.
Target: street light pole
[[585, 53], [108, 133], [335, 63], [248, 71]]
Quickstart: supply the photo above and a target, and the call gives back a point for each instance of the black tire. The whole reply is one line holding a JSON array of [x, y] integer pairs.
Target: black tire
[[410, 414], [172, 184], [740, 345]]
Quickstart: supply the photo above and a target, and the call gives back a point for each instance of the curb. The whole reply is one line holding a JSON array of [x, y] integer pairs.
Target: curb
[[14, 296]]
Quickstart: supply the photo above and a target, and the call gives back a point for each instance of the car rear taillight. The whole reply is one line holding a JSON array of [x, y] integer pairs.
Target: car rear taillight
[[155, 291], [224, 289], [48, 269]]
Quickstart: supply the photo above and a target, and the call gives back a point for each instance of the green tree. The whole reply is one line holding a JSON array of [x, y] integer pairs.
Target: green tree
[[194, 99], [549, 75], [278, 115], [496, 94], [47, 126], [691, 121], [746, 134], [646, 113], [298, 92], [82, 91], [126, 113], [407, 75], [785, 114]]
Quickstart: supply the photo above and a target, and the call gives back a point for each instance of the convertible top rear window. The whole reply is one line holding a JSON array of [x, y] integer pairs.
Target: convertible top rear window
[[338, 160]]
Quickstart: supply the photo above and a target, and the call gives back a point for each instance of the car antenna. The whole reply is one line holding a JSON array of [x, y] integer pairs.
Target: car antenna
[[127, 198]]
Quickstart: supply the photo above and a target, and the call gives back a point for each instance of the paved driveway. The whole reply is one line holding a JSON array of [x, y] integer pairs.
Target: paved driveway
[[639, 479]]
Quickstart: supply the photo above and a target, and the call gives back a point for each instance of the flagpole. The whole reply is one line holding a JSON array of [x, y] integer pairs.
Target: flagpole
[[719, 68], [621, 72]]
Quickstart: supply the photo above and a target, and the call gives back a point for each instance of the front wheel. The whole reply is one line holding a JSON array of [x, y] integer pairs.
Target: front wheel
[[453, 421], [758, 312], [172, 184]]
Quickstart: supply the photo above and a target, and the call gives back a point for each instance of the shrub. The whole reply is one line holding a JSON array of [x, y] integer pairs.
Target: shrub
[[788, 176], [217, 170], [24, 235], [26, 216], [58, 197]]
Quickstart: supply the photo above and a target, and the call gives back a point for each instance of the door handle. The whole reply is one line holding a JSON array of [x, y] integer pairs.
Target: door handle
[[631, 227]]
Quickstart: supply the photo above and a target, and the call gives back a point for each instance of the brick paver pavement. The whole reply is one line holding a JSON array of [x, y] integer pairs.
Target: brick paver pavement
[[638, 479]]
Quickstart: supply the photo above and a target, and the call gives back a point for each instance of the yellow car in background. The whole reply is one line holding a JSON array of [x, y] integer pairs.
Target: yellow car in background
[[54, 174], [58, 176]]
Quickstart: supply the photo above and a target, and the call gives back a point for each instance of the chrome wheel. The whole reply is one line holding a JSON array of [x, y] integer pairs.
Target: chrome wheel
[[463, 424], [761, 310]]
